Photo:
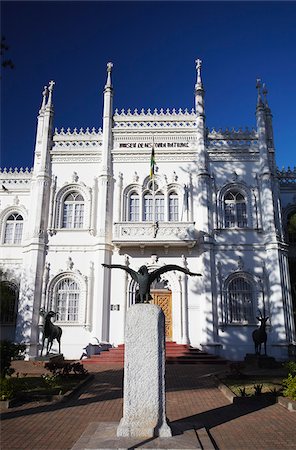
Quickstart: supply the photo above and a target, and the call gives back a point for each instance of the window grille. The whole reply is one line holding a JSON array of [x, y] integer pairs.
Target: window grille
[[13, 229], [67, 300], [73, 211], [240, 301]]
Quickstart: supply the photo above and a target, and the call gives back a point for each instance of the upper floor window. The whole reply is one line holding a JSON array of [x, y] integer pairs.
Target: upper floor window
[[235, 210], [67, 295], [134, 208], [240, 301], [173, 207], [73, 211], [13, 229], [154, 201], [153, 207]]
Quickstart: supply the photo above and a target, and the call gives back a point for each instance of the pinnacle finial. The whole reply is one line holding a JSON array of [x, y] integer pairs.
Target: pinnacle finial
[[44, 95], [198, 85], [258, 87], [109, 70], [265, 92], [50, 89]]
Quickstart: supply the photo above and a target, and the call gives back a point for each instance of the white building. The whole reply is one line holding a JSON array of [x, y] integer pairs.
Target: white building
[[214, 206]]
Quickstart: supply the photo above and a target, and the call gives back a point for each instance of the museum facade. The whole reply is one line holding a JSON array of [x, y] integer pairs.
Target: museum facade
[[150, 188]]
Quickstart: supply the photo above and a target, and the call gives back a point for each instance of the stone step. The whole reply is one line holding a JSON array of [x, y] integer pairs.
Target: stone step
[[175, 354]]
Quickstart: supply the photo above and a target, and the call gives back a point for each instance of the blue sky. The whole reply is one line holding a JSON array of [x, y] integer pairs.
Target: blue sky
[[153, 46]]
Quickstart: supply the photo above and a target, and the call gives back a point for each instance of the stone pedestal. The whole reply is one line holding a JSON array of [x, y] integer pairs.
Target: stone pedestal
[[144, 374]]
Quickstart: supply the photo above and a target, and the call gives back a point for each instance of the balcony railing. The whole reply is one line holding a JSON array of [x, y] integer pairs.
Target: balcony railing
[[149, 234]]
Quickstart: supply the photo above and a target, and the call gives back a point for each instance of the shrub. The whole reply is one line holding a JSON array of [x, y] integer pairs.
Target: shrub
[[243, 392], [289, 383], [291, 367], [64, 369], [6, 389], [8, 351], [290, 386], [258, 389]]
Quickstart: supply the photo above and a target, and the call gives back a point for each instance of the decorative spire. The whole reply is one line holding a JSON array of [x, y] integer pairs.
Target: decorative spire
[[265, 92], [109, 70], [44, 95], [50, 89], [258, 87], [199, 84]]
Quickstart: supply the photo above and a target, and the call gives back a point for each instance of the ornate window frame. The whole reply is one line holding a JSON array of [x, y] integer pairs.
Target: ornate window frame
[[60, 197], [14, 209], [242, 189], [83, 289], [226, 308], [162, 191], [132, 189]]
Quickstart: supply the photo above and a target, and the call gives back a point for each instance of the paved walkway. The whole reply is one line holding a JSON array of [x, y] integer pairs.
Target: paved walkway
[[191, 397]]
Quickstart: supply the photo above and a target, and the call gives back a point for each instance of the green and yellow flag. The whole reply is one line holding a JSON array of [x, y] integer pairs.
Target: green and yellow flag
[[152, 163]]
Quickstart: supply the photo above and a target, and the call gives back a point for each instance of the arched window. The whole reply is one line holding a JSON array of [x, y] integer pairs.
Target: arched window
[[291, 228], [73, 211], [66, 299], [13, 229], [235, 210], [240, 301], [133, 209], [173, 207], [8, 302]]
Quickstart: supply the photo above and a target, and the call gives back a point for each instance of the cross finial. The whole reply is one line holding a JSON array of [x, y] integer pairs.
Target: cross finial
[[51, 85], [198, 85], [50, 89], [198, 63]]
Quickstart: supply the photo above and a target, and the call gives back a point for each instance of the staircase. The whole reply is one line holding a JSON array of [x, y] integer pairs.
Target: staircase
[[175, 354]]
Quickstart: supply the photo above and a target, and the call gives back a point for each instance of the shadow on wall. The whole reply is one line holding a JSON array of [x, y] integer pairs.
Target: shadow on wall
[[233, 256]]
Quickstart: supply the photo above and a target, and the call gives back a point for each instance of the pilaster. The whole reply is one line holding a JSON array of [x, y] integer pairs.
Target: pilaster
[[36, 239]]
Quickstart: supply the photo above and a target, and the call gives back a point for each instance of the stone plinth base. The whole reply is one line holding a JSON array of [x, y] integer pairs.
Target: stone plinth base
[[102, 436], [261, 361], [144, 370], [51, 357]]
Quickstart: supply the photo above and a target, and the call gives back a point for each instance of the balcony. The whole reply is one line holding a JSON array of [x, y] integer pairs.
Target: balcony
[[147, 234]]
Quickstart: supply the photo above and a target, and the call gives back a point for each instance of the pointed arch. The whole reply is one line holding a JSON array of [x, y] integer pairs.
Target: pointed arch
[[235, 206]]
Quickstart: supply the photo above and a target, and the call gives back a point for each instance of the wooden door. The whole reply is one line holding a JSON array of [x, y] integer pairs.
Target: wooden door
[[164, 300]]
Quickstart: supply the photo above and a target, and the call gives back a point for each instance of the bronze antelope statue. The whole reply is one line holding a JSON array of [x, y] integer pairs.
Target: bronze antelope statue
[[50, 331], [259, 335]]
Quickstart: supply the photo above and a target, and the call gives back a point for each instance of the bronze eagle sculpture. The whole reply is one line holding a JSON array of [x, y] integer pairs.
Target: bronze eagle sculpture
[[145, 279]]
